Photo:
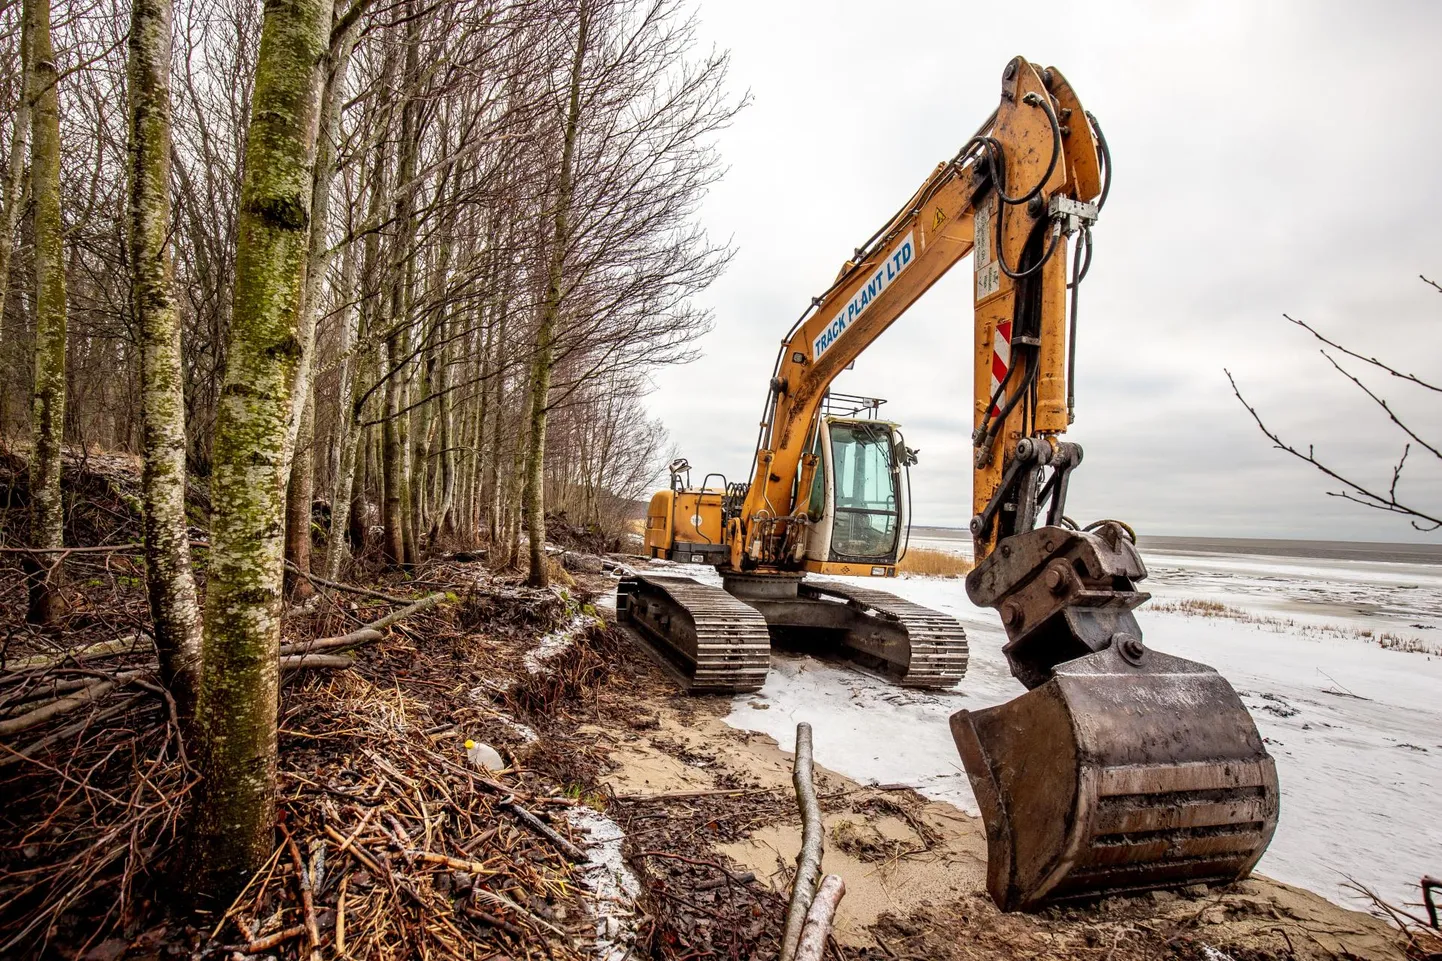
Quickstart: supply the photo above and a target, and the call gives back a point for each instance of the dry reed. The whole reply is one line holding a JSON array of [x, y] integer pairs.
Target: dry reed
[[924, 562]]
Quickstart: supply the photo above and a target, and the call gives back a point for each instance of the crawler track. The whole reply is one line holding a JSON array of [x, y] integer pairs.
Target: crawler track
[[939, 651], [718, 643]]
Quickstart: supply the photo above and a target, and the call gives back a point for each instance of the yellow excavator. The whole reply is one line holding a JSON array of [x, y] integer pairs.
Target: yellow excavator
[[1121, 768]]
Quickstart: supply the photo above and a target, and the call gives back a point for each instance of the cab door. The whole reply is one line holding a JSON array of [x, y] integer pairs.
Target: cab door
[[857, 502]]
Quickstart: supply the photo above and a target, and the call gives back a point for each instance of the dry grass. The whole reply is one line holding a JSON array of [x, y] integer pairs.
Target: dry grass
[[1412, 645], [928, 563], [1202, 607]]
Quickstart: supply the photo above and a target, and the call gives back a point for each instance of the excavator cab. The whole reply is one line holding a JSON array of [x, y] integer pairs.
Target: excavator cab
[[857, 511]]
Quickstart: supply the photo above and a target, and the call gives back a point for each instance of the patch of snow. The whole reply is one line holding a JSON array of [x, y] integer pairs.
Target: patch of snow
[[1215, 954], [613, 888], [1358, 773], [556, 642]]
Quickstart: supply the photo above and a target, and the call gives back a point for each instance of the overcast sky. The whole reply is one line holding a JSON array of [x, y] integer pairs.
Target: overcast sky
[[1269, 157]]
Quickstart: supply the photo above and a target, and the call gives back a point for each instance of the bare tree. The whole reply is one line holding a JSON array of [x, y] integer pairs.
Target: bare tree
[[47, 423], [174, 608], [545, 343], [428, 289], [1385, 496], [14, 178]]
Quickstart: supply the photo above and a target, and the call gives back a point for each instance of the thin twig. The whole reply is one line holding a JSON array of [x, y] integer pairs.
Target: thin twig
[[545, 830], [307, 899], [1368, 360], [1380, 402], [348, 588]]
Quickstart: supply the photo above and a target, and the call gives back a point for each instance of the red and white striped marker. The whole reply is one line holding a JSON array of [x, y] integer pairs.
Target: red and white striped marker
[[1000, 361]]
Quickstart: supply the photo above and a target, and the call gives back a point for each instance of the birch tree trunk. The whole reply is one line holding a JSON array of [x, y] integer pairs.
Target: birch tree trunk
[[535, 507], [14, 173], [348, 432], [403, 256], [318, 257], [494, 522], [174, 609], [393, 464], [236, 715], [300, 493], [47, 399]]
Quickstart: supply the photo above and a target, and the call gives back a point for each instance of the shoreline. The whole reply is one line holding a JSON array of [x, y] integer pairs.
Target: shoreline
[[1373, 552]]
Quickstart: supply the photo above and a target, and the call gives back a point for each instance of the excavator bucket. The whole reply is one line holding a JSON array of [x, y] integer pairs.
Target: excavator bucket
[[1126, 770], [1121, 769]]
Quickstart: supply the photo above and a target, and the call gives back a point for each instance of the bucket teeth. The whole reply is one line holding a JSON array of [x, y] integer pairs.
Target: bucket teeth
[[1116, 777]]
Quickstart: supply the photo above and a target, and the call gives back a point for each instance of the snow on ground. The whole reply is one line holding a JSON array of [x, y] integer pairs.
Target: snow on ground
[[612, 887], [1360, 775]]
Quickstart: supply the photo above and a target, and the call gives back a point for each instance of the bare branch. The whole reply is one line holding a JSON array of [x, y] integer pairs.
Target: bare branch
[[1356, 492], [1370, 360], [1381, 403]]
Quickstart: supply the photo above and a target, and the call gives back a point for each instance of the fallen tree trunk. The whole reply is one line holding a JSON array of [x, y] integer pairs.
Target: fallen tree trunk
[[25, 752], [808, 860], [355, 638], [367, 633], [291, 662], [89, 695], [119, 645], [812, 946], [293, 657], [51, 690]]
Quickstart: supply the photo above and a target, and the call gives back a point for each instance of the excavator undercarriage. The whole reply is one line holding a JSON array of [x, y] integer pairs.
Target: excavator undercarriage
[[718, 638]]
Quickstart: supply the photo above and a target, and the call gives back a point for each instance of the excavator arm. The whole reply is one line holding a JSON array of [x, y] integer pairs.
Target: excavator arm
[[1121, 768]]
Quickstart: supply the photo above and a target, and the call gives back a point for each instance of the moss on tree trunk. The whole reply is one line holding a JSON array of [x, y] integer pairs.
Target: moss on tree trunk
[[300, 494], [47, 399], [239, 684], [174, 608], [14, 173]]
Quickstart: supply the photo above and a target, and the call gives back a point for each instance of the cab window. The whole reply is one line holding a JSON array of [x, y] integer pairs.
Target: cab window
[[867, 501]]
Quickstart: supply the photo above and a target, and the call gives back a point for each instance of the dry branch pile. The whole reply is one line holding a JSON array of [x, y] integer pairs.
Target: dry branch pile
[[403, 849], [88, 819], [390, 843]]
